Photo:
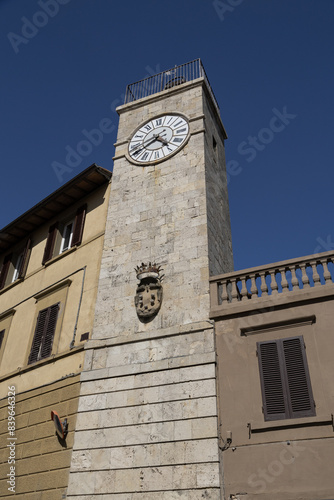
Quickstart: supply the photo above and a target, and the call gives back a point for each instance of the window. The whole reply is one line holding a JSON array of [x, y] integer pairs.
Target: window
[[14, 266], [66, 237], [63, 236], [44, 334], [285, 381]]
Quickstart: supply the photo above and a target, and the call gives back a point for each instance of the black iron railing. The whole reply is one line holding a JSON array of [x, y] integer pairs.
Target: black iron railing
[[168, 79]]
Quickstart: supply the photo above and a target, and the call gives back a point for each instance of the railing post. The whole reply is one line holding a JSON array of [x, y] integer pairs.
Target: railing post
[[254, 290], [273, 284], [327, 274], [284, 282], [294, 279], [234, 290], [264, 286], [225, 294], [316, 277]]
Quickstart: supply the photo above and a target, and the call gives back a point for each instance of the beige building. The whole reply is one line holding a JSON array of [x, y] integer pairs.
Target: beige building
[[50, 261]]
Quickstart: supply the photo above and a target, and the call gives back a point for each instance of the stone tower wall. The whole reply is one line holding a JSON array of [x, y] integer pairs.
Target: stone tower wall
[[147, 422]]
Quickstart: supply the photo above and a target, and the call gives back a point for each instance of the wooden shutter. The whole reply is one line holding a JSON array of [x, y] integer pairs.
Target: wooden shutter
[[50, 243], [2, 334], [79, 223], [5, 269], [301, 403], [273, 396], [25, 258], [285, 381], [44, 333]]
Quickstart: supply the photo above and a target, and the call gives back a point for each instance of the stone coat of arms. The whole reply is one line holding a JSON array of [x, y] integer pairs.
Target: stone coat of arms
[[148, 296]]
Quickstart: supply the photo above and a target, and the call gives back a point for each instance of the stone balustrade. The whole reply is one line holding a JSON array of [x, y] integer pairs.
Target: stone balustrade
[[283, 277]]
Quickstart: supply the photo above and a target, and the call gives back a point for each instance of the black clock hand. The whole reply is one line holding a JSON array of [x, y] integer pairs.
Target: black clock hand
[[143, 144]]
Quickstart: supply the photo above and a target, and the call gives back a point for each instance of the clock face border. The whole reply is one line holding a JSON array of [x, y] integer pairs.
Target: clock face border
[[166, 157]]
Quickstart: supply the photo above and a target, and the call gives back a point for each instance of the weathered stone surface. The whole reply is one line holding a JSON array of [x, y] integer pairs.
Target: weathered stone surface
[[147, 424]]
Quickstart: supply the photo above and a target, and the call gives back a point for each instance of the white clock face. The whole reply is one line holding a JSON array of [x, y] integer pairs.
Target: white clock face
[[158, 138]]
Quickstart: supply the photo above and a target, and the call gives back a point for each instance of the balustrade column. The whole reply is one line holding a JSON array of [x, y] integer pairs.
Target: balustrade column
[[294, 279], [327, 274], [234, 291], [273, 283], [243, 291], [224, 295], [316, 277], [284, 282], [264, 286], [305, 278], [253, 290]]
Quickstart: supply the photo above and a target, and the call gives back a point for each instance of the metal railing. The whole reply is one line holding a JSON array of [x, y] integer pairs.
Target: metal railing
[[283, 277], [168, 79]]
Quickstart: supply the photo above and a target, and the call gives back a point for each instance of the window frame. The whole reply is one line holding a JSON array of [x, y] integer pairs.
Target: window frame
[[56, 235], [15, 265], [285, 379]]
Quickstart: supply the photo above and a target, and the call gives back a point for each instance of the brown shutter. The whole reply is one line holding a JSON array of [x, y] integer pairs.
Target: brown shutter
[[301, 403], [44, 333], [25, 259], [79, 226], [285, 381], [273, 394], [4, 270], [49, 331], [50, 243], [2, 334]]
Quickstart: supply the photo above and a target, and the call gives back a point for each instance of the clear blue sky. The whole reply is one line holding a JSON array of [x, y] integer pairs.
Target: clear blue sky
[[262, 57]]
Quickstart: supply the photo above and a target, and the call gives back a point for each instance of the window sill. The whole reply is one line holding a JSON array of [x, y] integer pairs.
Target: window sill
[[60, 256], [11, 285], [52, 359], [257, 426]]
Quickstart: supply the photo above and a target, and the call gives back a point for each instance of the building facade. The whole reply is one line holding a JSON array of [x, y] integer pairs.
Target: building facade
[[275, 378], [50, 260], [120, 310]]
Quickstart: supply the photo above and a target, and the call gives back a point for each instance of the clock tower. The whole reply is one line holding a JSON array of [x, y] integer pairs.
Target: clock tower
[[147, 423]]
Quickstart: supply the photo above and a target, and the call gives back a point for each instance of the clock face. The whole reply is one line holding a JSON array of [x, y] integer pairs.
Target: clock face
[[158, 138]]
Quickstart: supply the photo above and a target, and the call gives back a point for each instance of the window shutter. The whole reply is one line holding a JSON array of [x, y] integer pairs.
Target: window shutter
[[285, 381], [4, 270], [50, 329], [79, 226], [298, 379], [2, 334], [50, 243], [43, 338], [274, 400], [25, 259]]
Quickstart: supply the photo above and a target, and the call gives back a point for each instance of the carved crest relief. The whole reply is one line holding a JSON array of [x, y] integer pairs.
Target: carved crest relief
[[148, 296]]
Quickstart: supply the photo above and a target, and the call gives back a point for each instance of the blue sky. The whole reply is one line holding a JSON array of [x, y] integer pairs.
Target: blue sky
[[66, 63]]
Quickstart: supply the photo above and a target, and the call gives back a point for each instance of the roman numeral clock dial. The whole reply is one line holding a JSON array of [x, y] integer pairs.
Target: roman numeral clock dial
[[158, 139]]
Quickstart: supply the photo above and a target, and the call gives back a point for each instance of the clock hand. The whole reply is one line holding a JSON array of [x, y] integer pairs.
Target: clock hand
[[143, 144], [161, 139]]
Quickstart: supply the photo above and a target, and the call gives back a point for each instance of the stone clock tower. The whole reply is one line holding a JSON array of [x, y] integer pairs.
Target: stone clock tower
[[147, 423]]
